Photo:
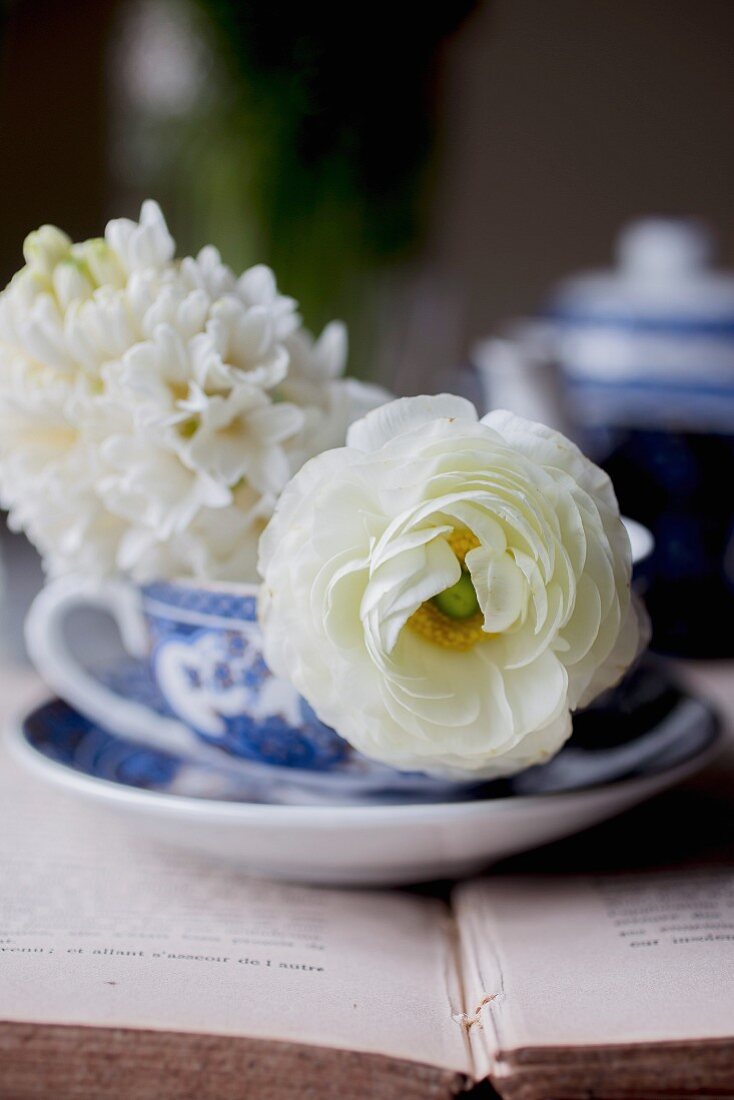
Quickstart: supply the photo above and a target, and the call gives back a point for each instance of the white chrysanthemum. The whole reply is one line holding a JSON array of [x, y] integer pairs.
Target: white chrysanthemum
[[152, 409], [445, 591]]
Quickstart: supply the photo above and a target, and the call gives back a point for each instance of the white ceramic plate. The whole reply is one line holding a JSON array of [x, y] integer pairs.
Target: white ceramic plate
[[366, 844]]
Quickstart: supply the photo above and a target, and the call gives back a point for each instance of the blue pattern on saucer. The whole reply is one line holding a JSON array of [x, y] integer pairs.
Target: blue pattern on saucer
[[644, 727], [59, 732], [63, 735]]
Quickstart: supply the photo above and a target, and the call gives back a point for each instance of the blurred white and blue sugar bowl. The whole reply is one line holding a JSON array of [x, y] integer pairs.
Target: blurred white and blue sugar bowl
[[646, 351]]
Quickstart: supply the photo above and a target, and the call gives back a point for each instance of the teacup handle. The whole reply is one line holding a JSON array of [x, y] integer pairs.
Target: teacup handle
[[65, 675]]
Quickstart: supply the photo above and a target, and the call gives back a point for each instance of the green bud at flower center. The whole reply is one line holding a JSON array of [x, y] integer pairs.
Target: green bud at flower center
[[460, 600]]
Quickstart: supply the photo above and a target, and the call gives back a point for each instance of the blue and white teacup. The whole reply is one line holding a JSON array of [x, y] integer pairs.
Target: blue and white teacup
[[203, 647], [206, 693]]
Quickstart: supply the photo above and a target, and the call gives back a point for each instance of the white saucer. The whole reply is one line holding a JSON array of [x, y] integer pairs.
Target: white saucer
[[353, 844]]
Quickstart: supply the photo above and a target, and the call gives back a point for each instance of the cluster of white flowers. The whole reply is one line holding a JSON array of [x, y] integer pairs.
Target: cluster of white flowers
[[152, 409]]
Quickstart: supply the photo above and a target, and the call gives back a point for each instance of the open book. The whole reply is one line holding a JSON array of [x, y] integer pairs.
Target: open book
[[130, 971]]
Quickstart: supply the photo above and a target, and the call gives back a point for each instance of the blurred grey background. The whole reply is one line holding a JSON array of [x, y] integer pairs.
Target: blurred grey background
[[525, 133]]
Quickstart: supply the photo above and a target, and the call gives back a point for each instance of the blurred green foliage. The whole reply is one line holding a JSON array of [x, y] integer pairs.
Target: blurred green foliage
[[311, 148]]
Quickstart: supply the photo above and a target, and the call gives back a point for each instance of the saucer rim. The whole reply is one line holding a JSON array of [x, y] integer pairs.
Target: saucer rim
[[108, 791]]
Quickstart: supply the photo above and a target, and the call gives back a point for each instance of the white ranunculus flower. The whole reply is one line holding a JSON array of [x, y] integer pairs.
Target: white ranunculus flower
[[152, 409], [445, 591]]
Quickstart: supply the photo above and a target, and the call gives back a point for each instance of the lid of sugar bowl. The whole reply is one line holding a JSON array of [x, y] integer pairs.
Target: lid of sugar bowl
[[653, 337], [664, 278]]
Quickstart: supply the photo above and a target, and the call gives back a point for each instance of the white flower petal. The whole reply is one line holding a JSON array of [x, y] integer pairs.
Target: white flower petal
[[500, 586], [407, 413]]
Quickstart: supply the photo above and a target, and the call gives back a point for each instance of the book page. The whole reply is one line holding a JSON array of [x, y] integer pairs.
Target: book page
[[99, 927], [594, 960]]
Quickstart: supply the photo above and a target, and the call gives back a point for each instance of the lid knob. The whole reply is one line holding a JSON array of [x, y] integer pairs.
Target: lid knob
[[664, 247]]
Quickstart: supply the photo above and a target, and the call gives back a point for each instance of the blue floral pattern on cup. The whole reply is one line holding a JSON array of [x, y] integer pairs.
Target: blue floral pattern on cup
[[207, 661]]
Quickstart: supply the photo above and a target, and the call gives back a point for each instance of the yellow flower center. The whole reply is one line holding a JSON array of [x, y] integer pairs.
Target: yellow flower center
[[452, 619]]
